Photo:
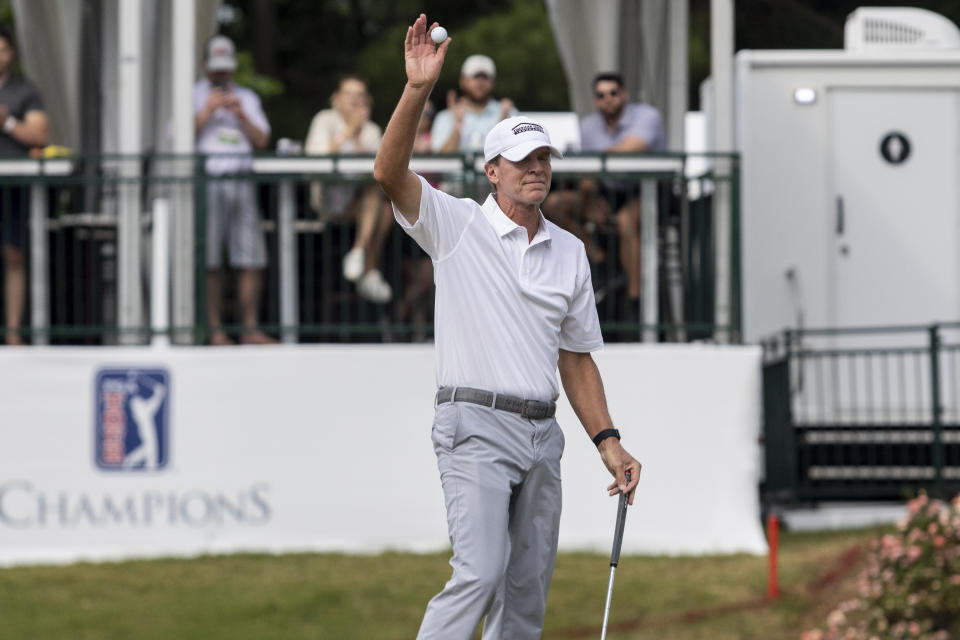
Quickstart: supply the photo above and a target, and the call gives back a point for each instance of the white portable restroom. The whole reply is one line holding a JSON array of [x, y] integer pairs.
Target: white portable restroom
[[851, 164]]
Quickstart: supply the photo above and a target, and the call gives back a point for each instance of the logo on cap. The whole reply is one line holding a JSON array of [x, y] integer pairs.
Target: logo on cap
[[527, 126]]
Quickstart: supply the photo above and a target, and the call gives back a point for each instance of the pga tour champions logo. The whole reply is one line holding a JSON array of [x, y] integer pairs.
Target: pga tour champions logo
[[131, 424]]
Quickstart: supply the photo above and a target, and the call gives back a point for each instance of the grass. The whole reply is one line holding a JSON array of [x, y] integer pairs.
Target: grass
[[338, 597]]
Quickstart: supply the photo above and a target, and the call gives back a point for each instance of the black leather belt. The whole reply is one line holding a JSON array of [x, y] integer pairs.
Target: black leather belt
[[533, 409]]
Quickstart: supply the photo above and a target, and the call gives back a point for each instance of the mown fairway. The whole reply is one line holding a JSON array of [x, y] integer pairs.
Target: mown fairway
[[340, 597]]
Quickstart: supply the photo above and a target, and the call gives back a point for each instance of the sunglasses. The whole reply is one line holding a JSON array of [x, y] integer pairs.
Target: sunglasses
[[600, 95]]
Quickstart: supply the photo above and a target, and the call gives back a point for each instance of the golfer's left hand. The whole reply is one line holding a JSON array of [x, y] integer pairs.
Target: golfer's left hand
[[618, 462], [422, 57]]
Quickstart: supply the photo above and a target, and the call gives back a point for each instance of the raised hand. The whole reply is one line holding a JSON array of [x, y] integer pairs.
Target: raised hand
[[423, 58], [506, 106], [457, 106], [215, 100], [232, 103]]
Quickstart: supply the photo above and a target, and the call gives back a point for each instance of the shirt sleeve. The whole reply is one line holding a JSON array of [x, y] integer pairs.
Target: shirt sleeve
[[32, 102], [318, 137], [441, 129], [199, 98], [580, 330], [648, 125], [254, 111], [441, 222], [588, 136], [370, 137]]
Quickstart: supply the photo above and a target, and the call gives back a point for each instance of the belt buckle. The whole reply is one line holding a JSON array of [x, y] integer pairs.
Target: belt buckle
[[523, 409]]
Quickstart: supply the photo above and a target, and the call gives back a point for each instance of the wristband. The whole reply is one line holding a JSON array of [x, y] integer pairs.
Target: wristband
[[9, 124], [603, 435]]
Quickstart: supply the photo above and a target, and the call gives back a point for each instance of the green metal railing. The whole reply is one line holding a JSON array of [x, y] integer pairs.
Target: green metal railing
[[87, 243], [866, 413]]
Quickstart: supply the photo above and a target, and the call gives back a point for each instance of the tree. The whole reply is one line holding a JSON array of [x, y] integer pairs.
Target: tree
[[313, 43]]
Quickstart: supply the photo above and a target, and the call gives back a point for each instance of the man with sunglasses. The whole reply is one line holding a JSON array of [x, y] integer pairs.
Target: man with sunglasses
[[620, 125], [617, 126]]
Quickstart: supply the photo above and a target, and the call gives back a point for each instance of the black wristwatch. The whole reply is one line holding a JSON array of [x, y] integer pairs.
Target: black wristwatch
[[603, 435]]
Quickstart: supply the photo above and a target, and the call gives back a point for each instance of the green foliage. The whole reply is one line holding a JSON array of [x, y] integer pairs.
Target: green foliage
[[317, 42], [519, 40], [246, 76], [6, 13], [911, 588]]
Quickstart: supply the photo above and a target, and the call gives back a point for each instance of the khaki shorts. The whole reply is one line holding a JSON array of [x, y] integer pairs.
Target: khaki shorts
[[233, 220]]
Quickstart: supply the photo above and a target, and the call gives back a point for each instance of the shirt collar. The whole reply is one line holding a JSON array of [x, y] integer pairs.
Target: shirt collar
[[504, 225]]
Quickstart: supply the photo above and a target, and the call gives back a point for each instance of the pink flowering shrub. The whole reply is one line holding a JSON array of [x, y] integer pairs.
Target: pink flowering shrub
[[911, 587]]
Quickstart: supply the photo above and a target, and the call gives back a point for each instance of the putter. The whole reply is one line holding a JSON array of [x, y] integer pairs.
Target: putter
[[615, 555]]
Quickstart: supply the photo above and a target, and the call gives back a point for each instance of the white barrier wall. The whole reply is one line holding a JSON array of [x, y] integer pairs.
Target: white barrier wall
[[134, 452]]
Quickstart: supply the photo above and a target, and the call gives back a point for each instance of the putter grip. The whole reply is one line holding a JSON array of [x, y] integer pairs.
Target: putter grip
[[621, 521]]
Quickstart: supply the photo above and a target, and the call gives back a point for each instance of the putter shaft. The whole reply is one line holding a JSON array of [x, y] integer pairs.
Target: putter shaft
[[615, 556], [606, 609]]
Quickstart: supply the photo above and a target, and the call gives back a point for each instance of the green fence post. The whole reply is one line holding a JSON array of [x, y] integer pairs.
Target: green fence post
[[202, 328], [736, 333], [779, 437], [936, 409]]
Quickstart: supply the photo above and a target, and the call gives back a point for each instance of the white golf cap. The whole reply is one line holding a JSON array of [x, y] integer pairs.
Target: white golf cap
[[515, 138], [477, 64], [220, 54]]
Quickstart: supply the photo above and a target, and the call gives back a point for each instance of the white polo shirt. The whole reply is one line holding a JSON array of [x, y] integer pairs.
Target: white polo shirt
[[504, 306]]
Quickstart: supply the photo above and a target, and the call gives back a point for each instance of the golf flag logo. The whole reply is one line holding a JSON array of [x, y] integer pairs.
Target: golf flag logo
[[131, 420]]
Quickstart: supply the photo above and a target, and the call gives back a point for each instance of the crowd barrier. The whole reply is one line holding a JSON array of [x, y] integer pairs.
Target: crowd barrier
[[98, 275], [862, 413]]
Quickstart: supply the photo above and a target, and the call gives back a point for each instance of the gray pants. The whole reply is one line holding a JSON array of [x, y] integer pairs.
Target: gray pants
[[501, 482]]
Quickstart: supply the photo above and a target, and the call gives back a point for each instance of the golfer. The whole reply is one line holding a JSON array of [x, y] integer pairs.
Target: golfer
[[514, 302]]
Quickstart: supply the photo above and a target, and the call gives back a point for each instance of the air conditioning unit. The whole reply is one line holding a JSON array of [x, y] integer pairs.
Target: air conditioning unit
[[898, 28]]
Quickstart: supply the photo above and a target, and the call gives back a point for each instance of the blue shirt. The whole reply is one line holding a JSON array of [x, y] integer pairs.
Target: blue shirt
[[473, 130], [638, 119]]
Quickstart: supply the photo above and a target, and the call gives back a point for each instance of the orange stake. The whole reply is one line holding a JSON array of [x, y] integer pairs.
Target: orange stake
[[773, 535]]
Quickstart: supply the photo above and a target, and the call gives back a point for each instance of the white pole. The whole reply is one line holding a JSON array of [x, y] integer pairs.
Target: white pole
[[650, 259], [39, 271], [160, 274], [679, 22], [129, 126], [183, 51], [721, 71], [289, 309]]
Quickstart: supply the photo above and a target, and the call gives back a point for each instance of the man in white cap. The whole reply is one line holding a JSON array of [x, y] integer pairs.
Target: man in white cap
[[464, 124], [514, 303], [229, 124]]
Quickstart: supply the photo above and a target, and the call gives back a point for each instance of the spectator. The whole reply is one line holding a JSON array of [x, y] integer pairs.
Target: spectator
[[24, 125], [230, 124], [346, 128], [464, 124], [616, 126]]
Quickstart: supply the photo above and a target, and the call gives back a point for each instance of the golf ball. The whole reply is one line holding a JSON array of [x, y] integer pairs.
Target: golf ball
[[439, 34]]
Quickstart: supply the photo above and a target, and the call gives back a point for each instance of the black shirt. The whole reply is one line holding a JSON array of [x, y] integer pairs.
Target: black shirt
[[20, 97]]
